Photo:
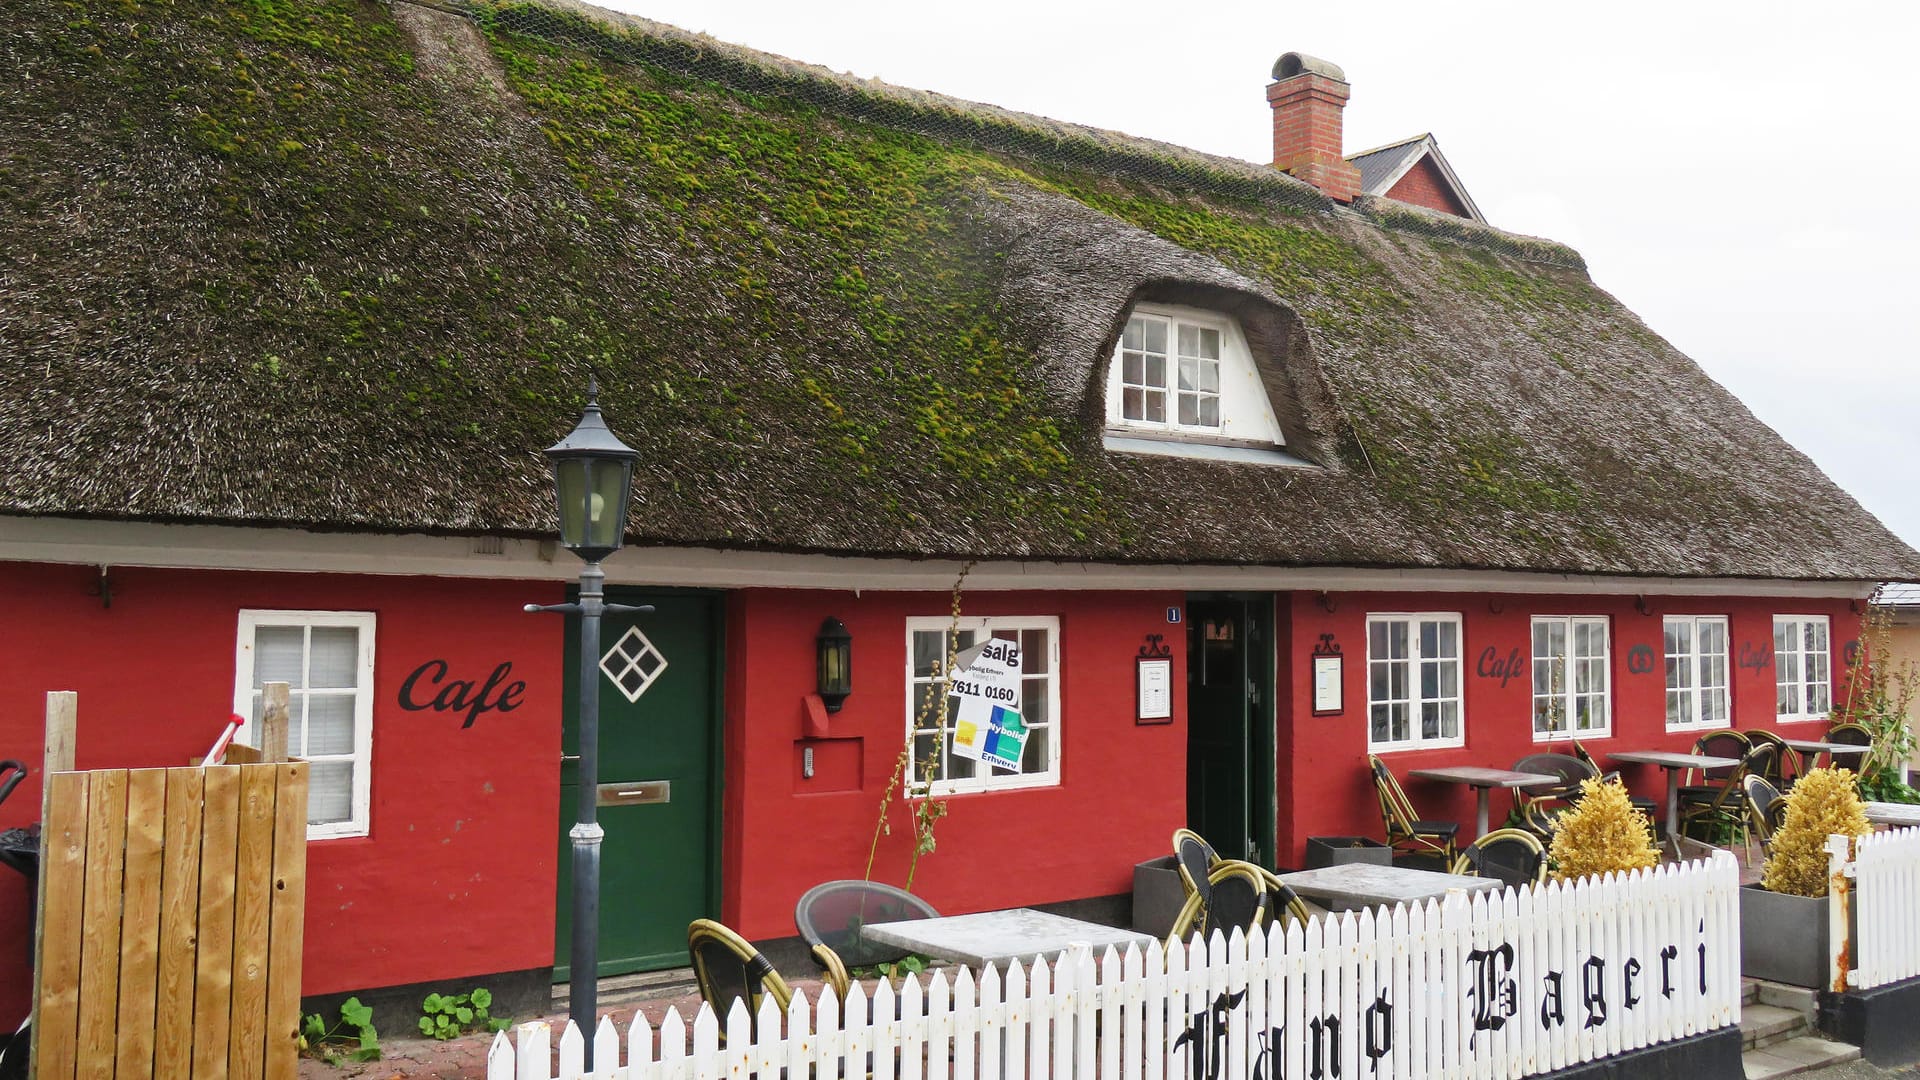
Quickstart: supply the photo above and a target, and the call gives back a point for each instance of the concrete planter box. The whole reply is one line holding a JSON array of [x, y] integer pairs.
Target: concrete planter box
[[1336, 850], [1157, 895], [1783, 938]]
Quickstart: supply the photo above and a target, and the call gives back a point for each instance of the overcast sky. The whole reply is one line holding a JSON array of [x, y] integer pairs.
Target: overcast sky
[[1742, 175]]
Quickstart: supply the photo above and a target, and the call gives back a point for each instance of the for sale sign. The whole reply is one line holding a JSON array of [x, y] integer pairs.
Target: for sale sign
[[984, 695]]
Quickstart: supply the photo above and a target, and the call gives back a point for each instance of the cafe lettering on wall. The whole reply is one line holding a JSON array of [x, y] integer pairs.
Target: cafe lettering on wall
[[1493, 666], [428, 687], [1756, 657], [1590, 993]]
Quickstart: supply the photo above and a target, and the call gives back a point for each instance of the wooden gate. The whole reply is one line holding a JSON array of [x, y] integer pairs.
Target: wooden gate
[[171, 908]]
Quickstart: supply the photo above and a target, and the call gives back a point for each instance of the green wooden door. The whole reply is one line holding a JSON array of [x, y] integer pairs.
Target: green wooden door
[[1230, 771], [659, 863]]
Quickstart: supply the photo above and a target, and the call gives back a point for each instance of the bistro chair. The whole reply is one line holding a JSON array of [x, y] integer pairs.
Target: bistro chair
[[1197, 862], [829, 917], [729, 969], [1647, 806], [1539, 805], [1515, 856], [1407, 833], [1782, 767], [1766, 809], [1724, 804], [1852, 735], [1236, 895]]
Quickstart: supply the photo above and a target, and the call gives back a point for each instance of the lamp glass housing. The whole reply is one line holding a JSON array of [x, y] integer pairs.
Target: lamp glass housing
[[834, 646], [592, 482]]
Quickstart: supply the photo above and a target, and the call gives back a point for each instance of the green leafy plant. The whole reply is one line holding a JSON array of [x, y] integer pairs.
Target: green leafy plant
[[447, 1016], [351, 1039], [1822, 803], [1880, 691]]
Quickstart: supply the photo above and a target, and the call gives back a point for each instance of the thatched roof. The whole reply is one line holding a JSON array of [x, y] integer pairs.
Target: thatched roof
[[325, 263]]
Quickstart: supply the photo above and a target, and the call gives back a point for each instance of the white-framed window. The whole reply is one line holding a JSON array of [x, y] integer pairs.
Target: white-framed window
[[1697, 688], [326, 660], [1572, 677], [1802, 667], [930, 717], [1413, 681], [1188, 373]]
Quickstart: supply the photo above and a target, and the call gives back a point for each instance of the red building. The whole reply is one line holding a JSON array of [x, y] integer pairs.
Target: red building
[[1139, 403]]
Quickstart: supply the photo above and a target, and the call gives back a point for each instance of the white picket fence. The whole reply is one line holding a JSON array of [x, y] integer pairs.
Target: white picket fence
[[1884, 946], [1505, 985]]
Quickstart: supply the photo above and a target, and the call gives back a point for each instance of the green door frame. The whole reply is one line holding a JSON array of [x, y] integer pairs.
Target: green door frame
[[1259, 654]]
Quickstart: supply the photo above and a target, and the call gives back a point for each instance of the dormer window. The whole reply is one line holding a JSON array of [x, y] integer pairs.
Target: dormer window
[[1186, 374]]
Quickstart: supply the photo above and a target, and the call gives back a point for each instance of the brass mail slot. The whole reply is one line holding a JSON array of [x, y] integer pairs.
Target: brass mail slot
[[635, 793]]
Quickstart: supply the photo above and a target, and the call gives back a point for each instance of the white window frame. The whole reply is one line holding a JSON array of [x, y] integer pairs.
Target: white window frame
[[251, 620], [1696, 665], [1566, 692], [1798, 685], [1413, 662], [1245, 407], [984, 780]]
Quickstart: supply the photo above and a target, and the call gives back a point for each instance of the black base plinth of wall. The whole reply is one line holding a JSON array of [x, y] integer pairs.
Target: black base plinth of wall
[[1712, 1055], [1879, 1021], [517, 995]]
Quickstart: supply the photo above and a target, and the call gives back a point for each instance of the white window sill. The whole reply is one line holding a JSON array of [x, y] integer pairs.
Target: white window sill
[[1404, 748], [1201, 451], [1678, 729], [1782, 718], [1569, 736]]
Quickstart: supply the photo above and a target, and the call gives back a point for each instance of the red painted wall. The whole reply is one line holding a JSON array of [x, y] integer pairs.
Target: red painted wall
[[1121, 795], [460, 818], [1424, 185], [1324, 785]]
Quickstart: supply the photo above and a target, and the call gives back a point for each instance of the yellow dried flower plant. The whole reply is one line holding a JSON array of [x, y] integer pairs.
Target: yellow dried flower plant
[[1823, 802], [1601, 833]]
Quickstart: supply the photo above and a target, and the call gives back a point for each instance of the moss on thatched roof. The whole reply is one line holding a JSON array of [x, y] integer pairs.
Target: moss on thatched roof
[[328, 263]]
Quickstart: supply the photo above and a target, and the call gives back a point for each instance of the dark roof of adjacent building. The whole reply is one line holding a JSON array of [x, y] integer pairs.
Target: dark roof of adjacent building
[[1383, 166], [339, 265]]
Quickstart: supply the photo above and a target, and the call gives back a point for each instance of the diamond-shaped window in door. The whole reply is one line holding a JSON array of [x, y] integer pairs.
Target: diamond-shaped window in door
[[633, 663]]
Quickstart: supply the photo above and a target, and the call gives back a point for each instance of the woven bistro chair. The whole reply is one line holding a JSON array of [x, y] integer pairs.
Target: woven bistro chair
[[829, 917], [1725, 803], [1407, 832], [1539, 805], [1236, 895], [1852, 735], [1649, 807], [1783, 767], [1515, 856], [729, 969], [1197, 861], [1766, 809]]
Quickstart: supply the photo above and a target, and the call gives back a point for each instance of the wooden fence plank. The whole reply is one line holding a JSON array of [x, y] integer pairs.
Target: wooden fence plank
[[252, 906], [286, 923], [213, 967], [140, 920], [63, 708], [63, 867], [100, 933], [179, 923]]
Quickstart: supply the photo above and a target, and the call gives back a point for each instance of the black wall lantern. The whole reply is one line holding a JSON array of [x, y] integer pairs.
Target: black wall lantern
[[593, 478], [835, 647]]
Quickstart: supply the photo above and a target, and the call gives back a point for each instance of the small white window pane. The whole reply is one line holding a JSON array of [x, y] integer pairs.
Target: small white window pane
[[1133, 367], [1156, 409], [335, 663], [1133, 404], [330, 724], [1378, 724], [1450, 719], [1210, 377], [1156, 335], [1189, 340], [1450, 680], [277, 655], [1377, 681], [1157, 371], [928, 651], [1130, 338], [1782, 635], [1189, 374], [329, 792], [1189, 409], [1377, 638], [1209, 343]]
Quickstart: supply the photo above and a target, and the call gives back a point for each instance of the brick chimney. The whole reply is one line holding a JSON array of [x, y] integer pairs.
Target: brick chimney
[[1308, 95]]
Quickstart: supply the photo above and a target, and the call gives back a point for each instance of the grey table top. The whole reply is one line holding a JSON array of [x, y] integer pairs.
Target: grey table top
[[1672, 760], [994, 937], [1890, 813], [1353, 885], [1477, 776], [1815, 746]]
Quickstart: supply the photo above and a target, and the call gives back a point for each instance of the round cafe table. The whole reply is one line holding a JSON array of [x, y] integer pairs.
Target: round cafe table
[[1483, 781]]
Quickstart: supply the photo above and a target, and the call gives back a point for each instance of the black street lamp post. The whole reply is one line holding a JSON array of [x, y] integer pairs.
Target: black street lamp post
[[593, 479]]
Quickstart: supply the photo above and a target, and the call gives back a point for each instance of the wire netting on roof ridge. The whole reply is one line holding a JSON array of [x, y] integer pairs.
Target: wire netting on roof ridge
[[639, 41], [1406, 217]]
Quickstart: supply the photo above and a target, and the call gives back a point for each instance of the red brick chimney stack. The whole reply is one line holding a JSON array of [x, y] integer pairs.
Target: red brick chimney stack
[[1308, 95]]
